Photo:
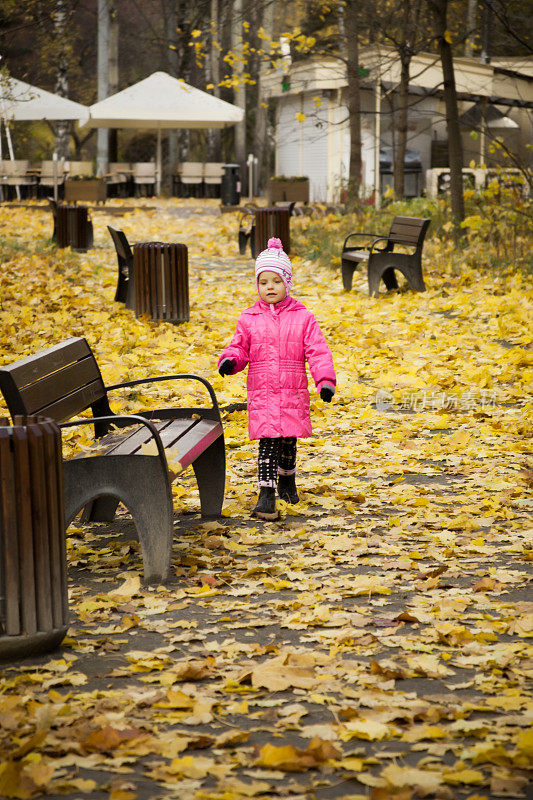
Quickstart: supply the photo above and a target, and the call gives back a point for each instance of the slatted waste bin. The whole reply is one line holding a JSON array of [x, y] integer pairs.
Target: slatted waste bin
[[33, 573], [73, 228], [271, 222], [161, 281]]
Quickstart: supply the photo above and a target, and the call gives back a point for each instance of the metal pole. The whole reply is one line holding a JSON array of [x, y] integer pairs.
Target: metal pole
[[54, 157], [11, 153], [377, 137], [102, 71], [250, 176], [158, 163]]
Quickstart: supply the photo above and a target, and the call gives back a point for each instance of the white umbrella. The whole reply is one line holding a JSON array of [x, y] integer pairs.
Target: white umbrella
[[162, 102], [22, 101]]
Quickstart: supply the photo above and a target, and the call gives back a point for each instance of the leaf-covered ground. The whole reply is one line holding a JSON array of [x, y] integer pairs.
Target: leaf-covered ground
[[373, 643]]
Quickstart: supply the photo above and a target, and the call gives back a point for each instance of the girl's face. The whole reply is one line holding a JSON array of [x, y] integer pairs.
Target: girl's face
[[271, 287]]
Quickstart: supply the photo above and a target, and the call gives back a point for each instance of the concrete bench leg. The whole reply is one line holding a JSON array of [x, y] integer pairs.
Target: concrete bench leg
[[347, 275], [141, 483], [389, 279], [415, 278], [100, 510], [210, 471]]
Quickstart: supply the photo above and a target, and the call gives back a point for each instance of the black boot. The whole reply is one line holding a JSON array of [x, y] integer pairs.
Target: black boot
[[266, 504], [287, 489]]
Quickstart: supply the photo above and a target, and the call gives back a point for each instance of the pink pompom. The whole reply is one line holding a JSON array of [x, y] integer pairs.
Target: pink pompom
[[274, 244]]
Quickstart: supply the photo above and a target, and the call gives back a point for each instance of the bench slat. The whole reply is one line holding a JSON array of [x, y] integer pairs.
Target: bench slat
[[185, 439], [195, 441], [169, 430], [127, 444], [25, 534], [55, 526], [40, 532], [37, 366], [74, 403], [176, 431], [406, 230], [55, 387], [9, 540], [355, 255]]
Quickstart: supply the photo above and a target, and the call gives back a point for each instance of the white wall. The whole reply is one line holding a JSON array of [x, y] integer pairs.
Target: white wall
[[288, 133], [314, 146]]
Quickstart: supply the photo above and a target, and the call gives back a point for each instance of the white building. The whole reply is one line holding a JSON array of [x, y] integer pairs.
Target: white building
[[312, 127]]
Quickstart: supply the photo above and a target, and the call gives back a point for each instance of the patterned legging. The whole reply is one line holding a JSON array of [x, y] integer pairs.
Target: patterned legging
[[276, 456]]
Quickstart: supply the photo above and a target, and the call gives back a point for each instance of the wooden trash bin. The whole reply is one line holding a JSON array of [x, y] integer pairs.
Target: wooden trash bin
[[33, 571], [73, 228], [271, 222], [161, 281]]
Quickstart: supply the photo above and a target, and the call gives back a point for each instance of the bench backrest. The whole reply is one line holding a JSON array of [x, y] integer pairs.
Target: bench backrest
[[16, 168], [47, 168], [121, 243], [144, 169], [192, 169], [409, 230], [59, 382], [81, 169]]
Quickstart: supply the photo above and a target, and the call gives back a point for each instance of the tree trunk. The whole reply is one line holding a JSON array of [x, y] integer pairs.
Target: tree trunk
[[214, 136], [239, 91], [172, 68], [260, 148], [455, 145], [212, 75], [102, 70], [113, 72], [351, 26], [62, 128], [403, 110], [471, 24]]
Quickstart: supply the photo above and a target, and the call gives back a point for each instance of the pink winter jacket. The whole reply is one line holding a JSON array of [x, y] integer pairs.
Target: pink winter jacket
[[275, 341]]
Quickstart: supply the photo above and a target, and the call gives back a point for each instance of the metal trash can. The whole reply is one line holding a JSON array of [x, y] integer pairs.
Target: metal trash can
[[230, 188], [270, 222], [73, 227], [161, 281], [33, 571]]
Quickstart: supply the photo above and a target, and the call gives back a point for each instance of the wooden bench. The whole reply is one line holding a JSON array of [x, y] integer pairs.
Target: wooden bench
[[125, 291], [383, 259], [129, 466]]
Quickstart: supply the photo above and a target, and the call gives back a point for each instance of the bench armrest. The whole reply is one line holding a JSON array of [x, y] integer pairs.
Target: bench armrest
[[369, 233], [246, 212], [379, 239], [114, 418], [170, 378]]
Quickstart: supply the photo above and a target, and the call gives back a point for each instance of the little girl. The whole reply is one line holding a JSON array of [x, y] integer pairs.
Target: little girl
[[275, 337]]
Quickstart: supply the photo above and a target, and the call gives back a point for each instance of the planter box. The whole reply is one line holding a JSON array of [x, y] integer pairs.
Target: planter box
[[86, 191], [280, 191]]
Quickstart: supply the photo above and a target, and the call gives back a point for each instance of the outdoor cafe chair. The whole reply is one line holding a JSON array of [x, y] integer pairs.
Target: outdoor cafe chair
[[143, 175], [213, 172], [47, 175], [79, 169], [119, 175], [17, 173], [192, 175]]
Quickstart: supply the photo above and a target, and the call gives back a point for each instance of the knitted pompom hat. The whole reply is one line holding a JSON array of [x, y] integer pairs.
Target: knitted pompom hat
[[275, 260]]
